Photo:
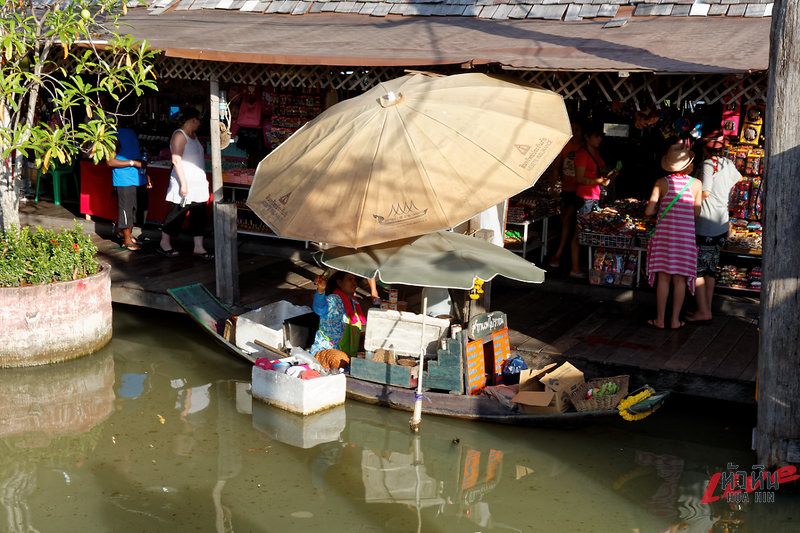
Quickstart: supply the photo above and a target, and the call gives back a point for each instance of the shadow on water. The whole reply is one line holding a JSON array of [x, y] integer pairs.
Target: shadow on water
[[158, 432]]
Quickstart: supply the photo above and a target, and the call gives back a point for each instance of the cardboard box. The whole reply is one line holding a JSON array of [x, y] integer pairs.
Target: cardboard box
[[547, 390]]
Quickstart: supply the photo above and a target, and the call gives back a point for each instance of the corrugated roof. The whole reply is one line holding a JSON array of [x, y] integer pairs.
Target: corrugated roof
[[567, 10], [688, 44]]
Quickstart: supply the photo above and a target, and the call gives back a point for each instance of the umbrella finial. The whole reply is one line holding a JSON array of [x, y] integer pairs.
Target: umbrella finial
[[390, 99]]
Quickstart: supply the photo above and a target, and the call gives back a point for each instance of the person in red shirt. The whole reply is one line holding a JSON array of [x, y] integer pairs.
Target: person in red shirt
[[589, 177], [565, 164]]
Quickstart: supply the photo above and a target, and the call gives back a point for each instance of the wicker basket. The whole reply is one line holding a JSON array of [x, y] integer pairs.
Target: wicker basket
[[599, 403]]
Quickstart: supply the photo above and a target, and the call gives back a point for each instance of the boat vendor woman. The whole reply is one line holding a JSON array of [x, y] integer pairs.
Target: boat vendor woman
[[341, 319]]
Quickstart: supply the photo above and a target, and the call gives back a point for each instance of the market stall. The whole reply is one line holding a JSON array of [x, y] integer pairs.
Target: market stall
[[98, 199], [616, 236], [530, 217]]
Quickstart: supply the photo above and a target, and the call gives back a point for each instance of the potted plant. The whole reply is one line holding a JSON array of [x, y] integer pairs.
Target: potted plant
[[55, 297]]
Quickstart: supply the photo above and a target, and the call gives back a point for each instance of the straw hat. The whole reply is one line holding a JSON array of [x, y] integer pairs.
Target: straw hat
[[678, 157]]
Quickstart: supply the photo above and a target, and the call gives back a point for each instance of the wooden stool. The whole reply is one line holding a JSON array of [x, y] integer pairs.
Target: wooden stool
[[57, 172]]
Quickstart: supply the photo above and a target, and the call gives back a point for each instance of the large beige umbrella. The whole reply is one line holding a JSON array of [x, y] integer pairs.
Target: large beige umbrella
[[410, 156]]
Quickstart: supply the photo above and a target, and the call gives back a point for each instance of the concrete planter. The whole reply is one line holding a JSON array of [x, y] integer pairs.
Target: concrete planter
[[43, 324]]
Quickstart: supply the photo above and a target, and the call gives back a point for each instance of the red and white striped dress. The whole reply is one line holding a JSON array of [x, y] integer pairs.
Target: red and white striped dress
[[672, 248]]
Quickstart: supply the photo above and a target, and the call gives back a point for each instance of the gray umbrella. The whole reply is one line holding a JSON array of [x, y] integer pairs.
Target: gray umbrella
[[442, 259]]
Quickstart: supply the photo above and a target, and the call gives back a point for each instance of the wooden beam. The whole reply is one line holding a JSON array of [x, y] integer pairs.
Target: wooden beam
[[778, 438], [225, 236]]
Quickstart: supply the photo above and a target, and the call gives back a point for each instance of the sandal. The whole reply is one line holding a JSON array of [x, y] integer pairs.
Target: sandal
[[120, 238], [132, 247], [205, 256], [167, 253]]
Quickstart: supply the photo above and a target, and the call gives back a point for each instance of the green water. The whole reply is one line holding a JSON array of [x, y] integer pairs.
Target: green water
[[158, 432]]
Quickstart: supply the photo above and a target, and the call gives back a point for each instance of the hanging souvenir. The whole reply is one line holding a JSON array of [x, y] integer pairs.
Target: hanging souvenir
[[751, 128]]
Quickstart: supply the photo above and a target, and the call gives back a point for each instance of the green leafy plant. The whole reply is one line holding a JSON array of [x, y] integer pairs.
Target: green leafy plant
[[69, 54], [45, 256]]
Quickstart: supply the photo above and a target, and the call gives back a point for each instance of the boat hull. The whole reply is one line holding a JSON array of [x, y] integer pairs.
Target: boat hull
[[463, 407], [201, 305]]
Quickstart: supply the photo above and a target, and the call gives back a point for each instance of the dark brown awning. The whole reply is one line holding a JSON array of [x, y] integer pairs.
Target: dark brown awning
[[650, 44]]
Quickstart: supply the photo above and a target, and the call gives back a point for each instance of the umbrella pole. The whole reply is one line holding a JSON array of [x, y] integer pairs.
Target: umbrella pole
[[417, 418], [417, 462]]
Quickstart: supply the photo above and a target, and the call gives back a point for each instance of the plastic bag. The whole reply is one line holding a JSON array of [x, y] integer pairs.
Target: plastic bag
[[305, 358], [511, 369]]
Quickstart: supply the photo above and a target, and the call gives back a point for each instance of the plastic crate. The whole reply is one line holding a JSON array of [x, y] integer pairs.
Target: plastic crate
[[608, 241]]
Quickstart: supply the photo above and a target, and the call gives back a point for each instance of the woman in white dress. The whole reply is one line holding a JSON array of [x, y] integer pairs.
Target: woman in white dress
[[188, 187]]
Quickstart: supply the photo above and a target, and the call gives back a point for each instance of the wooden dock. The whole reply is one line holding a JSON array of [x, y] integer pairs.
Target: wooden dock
[[602, 331]]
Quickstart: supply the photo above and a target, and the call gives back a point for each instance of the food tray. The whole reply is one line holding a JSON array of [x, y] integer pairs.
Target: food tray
[[600, 403], [602, 239]]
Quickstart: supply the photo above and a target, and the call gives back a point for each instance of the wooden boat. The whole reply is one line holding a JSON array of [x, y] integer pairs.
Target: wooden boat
[[212, 315]]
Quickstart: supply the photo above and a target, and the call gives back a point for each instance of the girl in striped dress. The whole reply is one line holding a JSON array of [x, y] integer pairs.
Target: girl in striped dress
[[672, 253]]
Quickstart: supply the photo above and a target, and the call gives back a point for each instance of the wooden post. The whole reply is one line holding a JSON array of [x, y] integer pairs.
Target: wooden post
[[778, 439], [225, 236]]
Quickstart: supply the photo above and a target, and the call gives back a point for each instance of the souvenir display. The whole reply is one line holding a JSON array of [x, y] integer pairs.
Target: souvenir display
[[615, 225], [541, 200], [744, 234], [735, 277], [290, 110], [613, 267], [746, 196], [751, 127]]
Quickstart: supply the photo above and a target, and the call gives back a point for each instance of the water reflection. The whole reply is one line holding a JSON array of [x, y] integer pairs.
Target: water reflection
[[50, 417], [158, 432]]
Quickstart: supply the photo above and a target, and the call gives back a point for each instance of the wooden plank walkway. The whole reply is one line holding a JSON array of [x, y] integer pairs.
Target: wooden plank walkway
[[603, 331]]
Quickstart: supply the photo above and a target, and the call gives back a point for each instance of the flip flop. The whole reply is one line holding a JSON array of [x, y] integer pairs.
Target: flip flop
[[554, 264], [167, 253], [205, 256], [652, 324], [132, 247], [680, 326], [581, 275]]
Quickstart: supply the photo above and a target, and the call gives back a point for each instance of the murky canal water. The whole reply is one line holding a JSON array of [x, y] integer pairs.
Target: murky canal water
[[158, 433]]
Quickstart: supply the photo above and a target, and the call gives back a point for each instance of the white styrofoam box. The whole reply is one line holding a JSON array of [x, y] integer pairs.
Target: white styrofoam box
[[266, 325], [301, 396], [299, 431], [401, 332]]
